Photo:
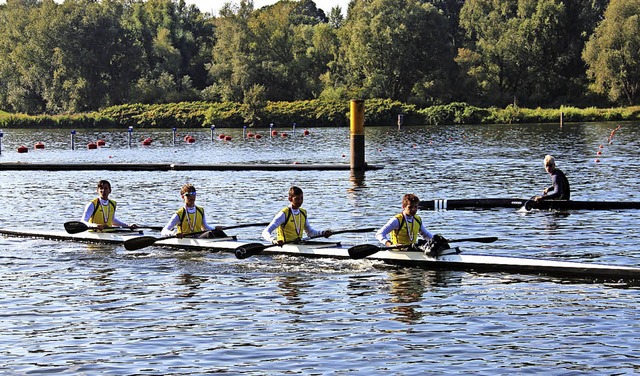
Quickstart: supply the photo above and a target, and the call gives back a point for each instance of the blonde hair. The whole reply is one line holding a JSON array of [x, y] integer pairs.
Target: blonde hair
[[549, 161]]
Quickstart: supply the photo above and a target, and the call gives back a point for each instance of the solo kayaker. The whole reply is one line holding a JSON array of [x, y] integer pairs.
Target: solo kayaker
[[559, 189], [290, 221], [100, 212]]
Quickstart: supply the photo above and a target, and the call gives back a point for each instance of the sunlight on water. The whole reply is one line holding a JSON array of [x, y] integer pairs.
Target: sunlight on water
[[74, 308]]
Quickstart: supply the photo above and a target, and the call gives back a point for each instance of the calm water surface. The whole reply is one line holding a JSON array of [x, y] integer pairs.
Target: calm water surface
[[71, 308]]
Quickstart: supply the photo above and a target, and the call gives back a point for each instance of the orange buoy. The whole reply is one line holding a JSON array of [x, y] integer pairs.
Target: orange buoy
[[92, 145], [23, 149], [100, 143], [38, 145]]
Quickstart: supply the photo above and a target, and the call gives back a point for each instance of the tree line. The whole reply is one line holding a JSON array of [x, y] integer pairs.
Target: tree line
[[85, 55]]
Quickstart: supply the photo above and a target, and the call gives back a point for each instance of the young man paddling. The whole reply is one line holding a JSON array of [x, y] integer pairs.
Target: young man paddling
[[100, 212], [189, 218], [404, 228], [290, 221], [559, 189]]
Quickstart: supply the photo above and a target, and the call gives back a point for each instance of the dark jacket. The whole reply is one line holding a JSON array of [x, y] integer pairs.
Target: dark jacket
[[559, 189]]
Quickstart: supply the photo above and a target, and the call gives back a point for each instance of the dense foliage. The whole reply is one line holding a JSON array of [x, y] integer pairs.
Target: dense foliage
[[311, 113], [81, 56]]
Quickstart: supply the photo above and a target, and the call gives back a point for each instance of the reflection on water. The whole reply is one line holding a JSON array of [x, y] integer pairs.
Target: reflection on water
[[87, 309]]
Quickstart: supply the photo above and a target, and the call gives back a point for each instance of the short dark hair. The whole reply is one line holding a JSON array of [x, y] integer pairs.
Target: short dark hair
[[103, 183], [187, 188], [293, 191], [409, 199]]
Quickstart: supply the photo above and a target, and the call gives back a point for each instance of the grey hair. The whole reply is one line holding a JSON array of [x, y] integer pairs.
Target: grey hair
[[549, 161]]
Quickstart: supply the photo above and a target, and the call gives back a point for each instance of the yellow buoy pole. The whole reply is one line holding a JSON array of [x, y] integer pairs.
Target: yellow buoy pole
[[357, 135]]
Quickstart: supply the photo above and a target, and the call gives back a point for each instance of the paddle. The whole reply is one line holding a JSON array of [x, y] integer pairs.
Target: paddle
[[529, 204], [74, 227], [363, 250], [145, 241], [253, 249]]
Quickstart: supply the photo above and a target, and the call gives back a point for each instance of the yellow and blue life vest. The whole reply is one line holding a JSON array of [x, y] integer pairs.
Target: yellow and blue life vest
[[401, 234], [99, 216], [288, 231], [190, 223]]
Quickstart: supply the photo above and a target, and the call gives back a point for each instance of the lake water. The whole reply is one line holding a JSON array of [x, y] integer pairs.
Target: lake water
[[72, 308]]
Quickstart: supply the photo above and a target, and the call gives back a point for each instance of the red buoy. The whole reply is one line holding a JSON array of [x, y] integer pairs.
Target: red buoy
[[221, 136], [284, 135], [100, 143], [191, 140], [38, 145], [147, 141], [249, 134], [306, 132], [227, 138], [23, 149], [258, 136], [274, 133], [92, 145]]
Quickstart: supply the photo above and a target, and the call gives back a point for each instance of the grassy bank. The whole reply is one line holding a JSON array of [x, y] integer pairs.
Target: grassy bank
[[313, 113]]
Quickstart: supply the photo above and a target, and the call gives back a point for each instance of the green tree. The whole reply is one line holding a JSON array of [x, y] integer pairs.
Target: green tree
[[231, 68], [613, 53], [284, 48], [526, 50], [69, 57], [397, 49], [176, 41]]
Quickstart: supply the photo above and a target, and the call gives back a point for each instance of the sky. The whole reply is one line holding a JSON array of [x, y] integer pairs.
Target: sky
[[214, 6]]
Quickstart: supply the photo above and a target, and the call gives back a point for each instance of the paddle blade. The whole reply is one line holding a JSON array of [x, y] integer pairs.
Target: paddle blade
[[75, 227], [488, 239], [249, 250], [139, 242], [355, 230], [362, 250]]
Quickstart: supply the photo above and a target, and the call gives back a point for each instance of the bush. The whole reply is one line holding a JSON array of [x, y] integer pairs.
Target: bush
[[310, 113]]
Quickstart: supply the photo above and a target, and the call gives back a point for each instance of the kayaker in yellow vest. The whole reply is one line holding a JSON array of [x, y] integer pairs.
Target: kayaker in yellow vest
[[290, 222], [404, 228], [189, 218], [100, 212]]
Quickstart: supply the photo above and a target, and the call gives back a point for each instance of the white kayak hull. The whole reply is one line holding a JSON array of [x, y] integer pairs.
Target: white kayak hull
[[455, 261]]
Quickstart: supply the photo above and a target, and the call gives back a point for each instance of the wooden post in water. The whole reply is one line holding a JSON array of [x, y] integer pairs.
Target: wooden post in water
[[357, 135]]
